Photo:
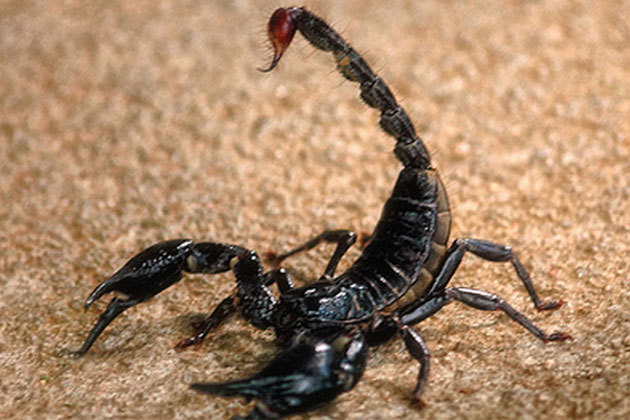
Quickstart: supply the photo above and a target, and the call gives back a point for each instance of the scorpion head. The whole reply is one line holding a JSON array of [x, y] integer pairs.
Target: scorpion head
[[303, 310], [293, 316]]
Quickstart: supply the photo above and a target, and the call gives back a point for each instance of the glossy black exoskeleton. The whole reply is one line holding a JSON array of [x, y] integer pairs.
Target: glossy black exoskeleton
[[399, 280]]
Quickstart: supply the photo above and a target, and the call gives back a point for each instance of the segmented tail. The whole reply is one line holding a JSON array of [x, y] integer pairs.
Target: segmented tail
[[409, 149]]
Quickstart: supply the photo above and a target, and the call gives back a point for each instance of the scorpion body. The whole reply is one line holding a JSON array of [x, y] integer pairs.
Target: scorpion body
[[326, 327]]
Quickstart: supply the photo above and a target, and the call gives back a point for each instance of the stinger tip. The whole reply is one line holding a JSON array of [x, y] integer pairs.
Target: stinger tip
[[274, 62]]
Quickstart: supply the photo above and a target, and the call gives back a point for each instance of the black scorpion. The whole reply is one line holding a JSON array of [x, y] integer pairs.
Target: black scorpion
[[326, 327]]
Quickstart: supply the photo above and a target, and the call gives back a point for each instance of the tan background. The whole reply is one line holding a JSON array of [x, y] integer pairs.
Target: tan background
[[126, 123]]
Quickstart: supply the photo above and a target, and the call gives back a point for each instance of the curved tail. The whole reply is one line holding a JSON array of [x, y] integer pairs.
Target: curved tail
[[409, 149]]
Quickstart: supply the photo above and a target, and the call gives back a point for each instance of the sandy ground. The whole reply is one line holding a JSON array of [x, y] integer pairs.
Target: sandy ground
[[126, 123]]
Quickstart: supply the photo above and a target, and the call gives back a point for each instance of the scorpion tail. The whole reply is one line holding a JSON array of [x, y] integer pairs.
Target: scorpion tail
[[409, 149]]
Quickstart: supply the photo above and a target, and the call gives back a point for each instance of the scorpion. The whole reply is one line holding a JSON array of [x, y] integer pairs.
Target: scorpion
[[326, 328]]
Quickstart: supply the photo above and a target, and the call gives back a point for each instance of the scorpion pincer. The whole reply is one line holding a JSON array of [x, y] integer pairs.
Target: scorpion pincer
[[325, 328]]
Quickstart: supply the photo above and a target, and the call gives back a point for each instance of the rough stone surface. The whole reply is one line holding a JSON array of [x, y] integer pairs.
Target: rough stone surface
[[126, 123]]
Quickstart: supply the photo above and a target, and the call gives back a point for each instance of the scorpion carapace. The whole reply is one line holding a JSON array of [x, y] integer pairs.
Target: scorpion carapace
[[399, 280]]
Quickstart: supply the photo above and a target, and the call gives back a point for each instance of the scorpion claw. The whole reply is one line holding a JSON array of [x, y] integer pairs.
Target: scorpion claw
[[280, 30], [155, 269], [141, 278], [311, 372]]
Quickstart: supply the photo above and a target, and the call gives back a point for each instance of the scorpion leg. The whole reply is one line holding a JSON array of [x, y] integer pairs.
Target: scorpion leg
[[485, 301], [418, 349], [418, 312], [414, 314], [489, 251], [229, 305], [154, 270], [342, 237], [438, 295], [384, 328], [220, 313], [310, 373]]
